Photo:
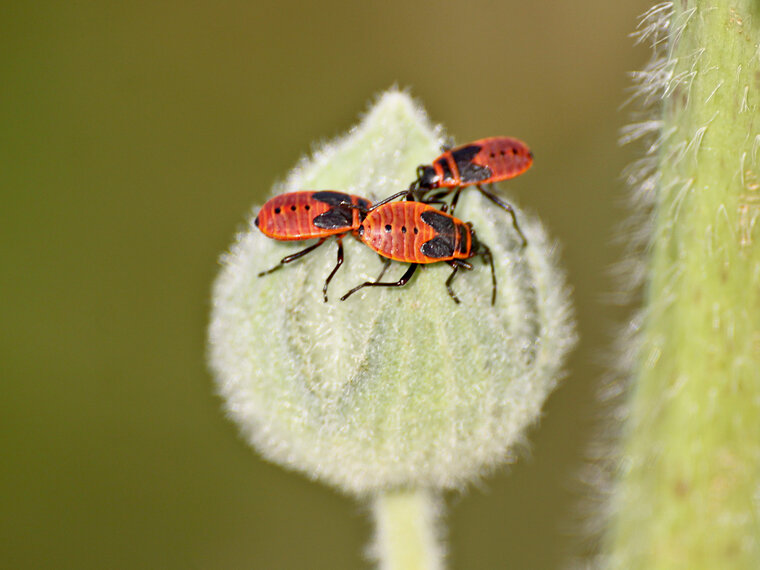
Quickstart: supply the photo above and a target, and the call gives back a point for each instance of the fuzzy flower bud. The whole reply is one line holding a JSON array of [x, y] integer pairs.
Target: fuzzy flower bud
[[395, 387]]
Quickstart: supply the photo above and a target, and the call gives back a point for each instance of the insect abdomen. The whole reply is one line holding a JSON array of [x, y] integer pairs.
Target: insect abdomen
[[483, 161], [414, 232], [505, 157], [305, 215]]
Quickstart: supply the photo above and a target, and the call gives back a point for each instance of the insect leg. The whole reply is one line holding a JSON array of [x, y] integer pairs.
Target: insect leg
[[406, 193], [506, 207], [400, 283], [488, 257], [456, 264], [455, 199], [413, 190], [293, 257], [386, 264], [335, 269], [437, 199], [450, 280]]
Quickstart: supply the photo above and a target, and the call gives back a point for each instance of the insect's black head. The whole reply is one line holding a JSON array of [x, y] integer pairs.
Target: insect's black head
[[426, 177]]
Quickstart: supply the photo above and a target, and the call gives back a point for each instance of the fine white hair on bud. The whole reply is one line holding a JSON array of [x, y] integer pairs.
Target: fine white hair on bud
[[395, 387]]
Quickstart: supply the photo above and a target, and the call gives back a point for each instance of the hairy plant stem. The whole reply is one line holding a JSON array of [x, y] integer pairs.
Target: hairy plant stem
[[689, 489], [405, 535]]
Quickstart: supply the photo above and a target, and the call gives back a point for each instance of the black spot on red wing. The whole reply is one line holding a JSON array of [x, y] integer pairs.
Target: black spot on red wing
[[439, 222], [473, 173], [438, 247], [334, 218], [470, 173], [331, 198], [465, 154], [256, 222], [388, 228]]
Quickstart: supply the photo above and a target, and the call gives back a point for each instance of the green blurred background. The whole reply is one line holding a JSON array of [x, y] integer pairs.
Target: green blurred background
[[136, 138]]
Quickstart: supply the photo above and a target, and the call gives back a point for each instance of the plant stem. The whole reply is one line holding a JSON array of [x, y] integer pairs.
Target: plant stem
[[689, 490], [406, 535]]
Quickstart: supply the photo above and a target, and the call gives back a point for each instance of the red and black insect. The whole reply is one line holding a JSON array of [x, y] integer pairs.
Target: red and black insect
[[308, 215], [480, 162], [418, 233]]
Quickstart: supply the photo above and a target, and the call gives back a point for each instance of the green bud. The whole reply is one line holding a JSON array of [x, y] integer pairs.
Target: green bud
[[395, 387]]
